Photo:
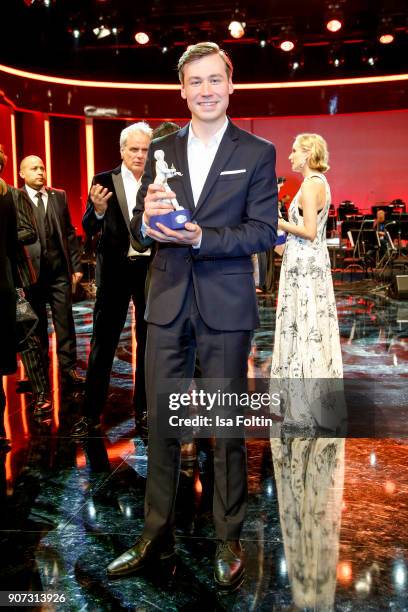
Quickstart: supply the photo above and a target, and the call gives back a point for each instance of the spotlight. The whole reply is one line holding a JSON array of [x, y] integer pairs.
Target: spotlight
[[334, 25], [262, 38], [334, 17], [369, 57], [76, 33], [164, 49], [296, 62], [386, 39], [101, 31], [142, 38], [287, 40], [336, 57], [237, 29], [386, 31]]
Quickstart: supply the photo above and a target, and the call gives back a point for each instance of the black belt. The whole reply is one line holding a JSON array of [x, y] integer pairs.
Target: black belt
[[137, 257]]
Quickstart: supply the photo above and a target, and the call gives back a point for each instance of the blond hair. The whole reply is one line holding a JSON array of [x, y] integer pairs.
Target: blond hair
[[200, 50], [319, 158]]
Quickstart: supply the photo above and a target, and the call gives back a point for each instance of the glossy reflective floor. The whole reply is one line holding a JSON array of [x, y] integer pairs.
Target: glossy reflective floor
[[327, 524]]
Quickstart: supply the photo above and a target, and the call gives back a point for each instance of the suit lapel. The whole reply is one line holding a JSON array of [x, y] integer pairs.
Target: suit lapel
[[121, 196], [182, 164], [54, 212], [227, 146]]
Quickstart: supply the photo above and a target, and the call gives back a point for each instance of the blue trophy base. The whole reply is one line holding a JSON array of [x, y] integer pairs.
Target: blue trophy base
[[175, 220]]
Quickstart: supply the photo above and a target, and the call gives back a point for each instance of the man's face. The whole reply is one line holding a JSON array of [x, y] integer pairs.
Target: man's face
[[134, 152], [33, 172], [207, 88]]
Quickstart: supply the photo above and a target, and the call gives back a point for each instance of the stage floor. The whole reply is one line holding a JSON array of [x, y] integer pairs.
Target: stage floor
[[68, 510]]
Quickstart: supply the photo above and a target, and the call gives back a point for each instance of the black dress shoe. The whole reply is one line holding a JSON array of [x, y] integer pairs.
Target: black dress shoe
[[229, 566], [86, 427], [72, 379], [42, 404], [143, 553]]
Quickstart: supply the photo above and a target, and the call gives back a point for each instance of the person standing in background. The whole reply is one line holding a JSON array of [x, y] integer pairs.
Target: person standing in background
[[8, 277], [57, 263], [121, 273]]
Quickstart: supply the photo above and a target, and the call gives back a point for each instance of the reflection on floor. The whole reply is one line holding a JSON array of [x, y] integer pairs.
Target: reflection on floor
[[67, 511]]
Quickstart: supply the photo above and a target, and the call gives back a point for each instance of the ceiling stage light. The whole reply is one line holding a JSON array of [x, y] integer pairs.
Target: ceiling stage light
[[287, 45], [287, 39], [237, 29], [142, 38], [101, 31], [386, 39], [334, 25], [386, 31]]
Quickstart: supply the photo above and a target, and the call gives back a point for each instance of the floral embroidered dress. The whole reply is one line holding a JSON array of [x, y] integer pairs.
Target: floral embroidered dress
[[307, 342]]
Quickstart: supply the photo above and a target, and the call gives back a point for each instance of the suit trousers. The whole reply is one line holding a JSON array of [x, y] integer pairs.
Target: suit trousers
[[35, 367], [170, 354], [125, 282], [54, 288]]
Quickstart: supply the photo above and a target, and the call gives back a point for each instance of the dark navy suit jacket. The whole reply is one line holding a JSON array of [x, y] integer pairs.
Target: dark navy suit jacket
[[238, 216]]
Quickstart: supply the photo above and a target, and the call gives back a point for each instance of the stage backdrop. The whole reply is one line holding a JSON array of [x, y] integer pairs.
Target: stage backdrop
[[368, 153]]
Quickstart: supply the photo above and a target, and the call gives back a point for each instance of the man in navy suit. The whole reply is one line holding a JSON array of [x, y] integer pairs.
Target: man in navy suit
[[202, 294]]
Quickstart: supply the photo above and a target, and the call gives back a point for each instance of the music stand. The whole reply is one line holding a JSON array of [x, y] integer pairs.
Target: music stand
[[398, 230], [395, 231]]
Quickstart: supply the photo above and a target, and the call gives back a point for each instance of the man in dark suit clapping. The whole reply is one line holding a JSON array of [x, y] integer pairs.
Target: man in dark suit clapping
[[120, 277], [202, 294]]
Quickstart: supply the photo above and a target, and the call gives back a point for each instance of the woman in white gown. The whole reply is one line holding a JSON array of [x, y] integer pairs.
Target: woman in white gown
[[307, 344], [307, 369]]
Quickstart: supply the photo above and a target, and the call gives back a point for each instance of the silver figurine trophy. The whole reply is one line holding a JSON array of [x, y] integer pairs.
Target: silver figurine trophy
[[177, 218]]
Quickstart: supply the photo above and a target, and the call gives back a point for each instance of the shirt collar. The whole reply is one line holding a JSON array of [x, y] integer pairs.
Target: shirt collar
[[126, 173], [215, 140], [33, 192]]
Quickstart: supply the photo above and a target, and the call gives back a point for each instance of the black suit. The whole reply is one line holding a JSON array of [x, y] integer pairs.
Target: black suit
[[204, 299], [119, 279], [54, 257], [31, 353], [8, 275]]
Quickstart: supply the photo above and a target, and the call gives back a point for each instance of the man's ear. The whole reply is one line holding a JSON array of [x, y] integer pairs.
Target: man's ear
[[183, 93], [230, 87]]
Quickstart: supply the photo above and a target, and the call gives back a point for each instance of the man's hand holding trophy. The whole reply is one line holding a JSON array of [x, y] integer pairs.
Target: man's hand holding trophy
[[167, 221]]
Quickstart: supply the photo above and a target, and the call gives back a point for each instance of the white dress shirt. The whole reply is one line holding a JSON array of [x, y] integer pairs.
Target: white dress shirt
[[33, 195], [200, 157], [131, 185]]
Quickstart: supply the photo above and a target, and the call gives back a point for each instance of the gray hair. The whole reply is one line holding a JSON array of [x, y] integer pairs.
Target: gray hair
[[141, 126]]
